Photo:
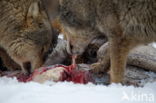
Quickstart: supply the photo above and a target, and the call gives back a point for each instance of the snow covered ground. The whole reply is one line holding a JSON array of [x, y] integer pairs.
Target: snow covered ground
[[61, 36], [154, 45], [12, 91]]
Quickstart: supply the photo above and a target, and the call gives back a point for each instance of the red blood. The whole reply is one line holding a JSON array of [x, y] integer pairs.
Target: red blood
[[70, 74], [20, 76], [76, 76]]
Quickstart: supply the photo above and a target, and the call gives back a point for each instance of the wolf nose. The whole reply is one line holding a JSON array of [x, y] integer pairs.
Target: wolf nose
[[27, 67]]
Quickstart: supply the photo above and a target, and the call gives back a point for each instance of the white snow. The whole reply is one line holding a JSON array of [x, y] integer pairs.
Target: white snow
[[154, 45], [61, 36], [11, 91]]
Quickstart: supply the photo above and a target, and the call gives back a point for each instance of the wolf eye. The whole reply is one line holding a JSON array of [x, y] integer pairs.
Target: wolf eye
[[40, 25]]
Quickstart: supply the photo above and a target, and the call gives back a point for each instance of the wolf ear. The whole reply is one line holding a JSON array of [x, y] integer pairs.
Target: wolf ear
[[33, 10]]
